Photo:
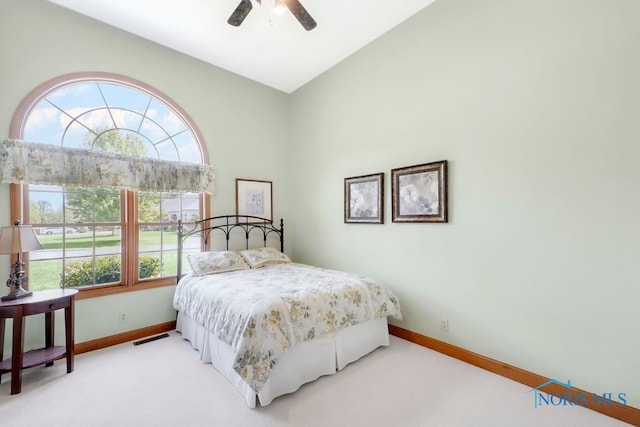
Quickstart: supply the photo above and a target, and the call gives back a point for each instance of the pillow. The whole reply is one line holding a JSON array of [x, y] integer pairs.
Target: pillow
[[260, 257], [216, 262]]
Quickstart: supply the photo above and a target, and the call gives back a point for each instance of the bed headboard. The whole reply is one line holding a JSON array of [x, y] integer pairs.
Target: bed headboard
[[226, 226]]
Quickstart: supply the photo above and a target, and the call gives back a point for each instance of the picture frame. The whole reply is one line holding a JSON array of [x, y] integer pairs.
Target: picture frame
[[419, 193], [254, 197], [364, 199]]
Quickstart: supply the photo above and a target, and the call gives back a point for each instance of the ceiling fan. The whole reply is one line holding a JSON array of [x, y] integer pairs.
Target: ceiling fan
[[294, 6]]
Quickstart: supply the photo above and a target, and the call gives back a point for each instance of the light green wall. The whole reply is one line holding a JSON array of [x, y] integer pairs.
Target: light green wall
[[243, 123], [535, 104], [532, 103]]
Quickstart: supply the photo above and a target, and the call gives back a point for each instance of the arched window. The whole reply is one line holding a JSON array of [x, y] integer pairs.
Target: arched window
[[118, 163]]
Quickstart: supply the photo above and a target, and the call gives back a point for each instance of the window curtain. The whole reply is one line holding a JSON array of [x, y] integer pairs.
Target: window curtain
[[31, 163]]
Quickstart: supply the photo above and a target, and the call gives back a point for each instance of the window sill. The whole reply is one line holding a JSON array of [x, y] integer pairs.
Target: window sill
[[111, 290]]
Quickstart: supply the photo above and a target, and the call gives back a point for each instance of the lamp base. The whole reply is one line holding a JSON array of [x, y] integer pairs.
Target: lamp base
[[17, 293]]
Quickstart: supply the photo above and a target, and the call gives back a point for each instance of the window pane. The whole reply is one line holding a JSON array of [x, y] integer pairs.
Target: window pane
[[45, 207], [77, 97], [45, 271], [43, 124], [122, 96], [108, 269], [167, 150], [149, 207], [187, 149], [190, 207], [170, 251], [162, 114], [108, 240], [150, 265]]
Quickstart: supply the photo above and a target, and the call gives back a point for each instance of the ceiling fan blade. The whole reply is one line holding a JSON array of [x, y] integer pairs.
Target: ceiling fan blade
[[240, 13], [301, 14]]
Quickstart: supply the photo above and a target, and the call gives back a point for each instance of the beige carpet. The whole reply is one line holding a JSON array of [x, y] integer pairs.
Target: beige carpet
[[163, 383]]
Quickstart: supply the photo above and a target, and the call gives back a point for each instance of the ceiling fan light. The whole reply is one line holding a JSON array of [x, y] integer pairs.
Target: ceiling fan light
[[279, 7]]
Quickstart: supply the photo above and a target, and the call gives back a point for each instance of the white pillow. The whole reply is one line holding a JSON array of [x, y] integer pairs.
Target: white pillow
[[215, 262], [260, 257]]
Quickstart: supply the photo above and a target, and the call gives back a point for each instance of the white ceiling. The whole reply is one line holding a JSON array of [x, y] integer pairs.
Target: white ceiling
[[272, 49]]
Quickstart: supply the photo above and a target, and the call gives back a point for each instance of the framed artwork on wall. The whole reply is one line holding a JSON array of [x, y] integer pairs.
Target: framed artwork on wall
[[364, 199], [419, 193], [253, 198]]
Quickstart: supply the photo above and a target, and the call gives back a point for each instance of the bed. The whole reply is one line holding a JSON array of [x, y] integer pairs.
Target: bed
[[267, 324]]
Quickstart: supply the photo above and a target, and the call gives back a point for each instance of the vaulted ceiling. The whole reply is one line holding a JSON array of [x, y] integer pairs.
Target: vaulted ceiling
[[273, 49]]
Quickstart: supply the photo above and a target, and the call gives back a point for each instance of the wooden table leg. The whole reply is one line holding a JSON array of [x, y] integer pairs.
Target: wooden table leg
[[2, 324], [49, 331], [17, 354], [69, 333]]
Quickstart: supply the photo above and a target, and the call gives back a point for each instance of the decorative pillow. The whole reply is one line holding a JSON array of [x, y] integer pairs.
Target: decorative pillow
[[260, 257], [216, 262]]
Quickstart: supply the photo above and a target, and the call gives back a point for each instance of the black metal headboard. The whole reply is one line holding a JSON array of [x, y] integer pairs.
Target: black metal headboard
[[226, 224]]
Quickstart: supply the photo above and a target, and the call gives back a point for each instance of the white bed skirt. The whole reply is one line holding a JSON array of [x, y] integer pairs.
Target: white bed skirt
[[303, 363]]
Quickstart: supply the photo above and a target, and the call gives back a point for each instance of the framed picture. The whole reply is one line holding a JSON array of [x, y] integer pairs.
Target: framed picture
[[364, 199], [419, 193], [254, 198]]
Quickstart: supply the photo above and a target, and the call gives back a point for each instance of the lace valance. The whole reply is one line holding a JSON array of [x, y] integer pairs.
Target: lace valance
[[31, 163]]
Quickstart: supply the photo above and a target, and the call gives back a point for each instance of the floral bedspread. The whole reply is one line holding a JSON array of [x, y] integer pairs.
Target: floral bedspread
[[262, 312]]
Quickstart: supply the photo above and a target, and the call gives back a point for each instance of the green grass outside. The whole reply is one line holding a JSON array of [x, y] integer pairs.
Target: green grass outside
[[85, 240], [46, 274]]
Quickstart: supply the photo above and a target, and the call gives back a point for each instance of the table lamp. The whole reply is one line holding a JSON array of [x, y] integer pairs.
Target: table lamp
[[16, 240]]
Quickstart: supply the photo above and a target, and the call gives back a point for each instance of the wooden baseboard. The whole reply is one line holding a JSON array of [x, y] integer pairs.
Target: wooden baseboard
[[625, 413], [99, 343]]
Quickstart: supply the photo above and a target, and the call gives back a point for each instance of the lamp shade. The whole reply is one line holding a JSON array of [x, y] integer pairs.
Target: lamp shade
[[18, 239]]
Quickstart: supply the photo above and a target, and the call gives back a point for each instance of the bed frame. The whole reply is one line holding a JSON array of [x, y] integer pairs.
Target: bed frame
[[208, 228], [303, 362]]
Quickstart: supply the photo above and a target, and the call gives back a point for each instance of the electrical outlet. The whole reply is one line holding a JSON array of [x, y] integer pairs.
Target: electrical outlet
[[444, 325], [123, 317]]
